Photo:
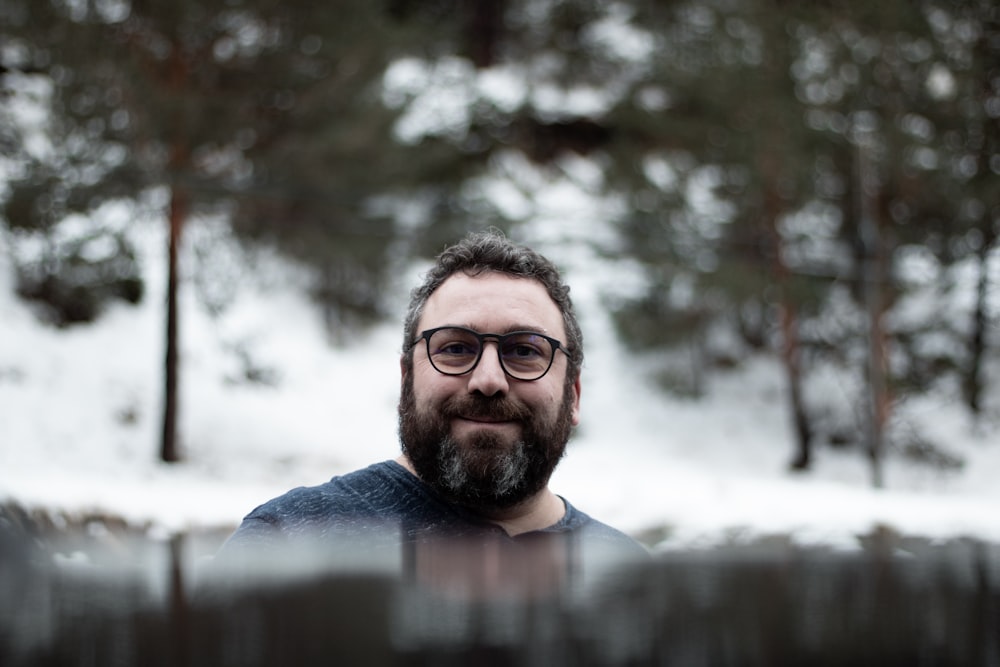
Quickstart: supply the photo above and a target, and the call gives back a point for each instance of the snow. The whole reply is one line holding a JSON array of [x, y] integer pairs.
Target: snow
[[80, 420]]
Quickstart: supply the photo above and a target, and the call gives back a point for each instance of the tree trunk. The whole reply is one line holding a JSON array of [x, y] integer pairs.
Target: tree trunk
[[791, 356], [879, 400], [774, 168], [169, 450], [985, 181], [177, 78], [974, 378], [791, 349], [873, 276], [484, 26]]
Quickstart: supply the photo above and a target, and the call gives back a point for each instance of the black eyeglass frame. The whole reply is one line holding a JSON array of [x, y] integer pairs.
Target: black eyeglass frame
[[482, 337]]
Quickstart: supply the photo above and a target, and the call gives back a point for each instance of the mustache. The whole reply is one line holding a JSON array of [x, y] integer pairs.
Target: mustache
[[483, 407]]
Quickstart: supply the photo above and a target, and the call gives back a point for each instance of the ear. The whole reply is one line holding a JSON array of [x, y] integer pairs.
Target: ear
[[576, 400]]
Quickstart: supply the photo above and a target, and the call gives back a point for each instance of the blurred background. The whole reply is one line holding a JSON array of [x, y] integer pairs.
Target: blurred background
[[811, 188]]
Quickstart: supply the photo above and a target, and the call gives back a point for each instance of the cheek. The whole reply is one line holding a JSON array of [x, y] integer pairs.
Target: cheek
[[549, 401], [431, 386]]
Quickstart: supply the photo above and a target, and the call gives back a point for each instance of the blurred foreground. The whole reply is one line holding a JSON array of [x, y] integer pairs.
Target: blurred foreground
[[162, 602]]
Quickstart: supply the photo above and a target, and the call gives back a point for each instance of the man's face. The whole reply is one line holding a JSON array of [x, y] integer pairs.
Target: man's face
[[485, 440]]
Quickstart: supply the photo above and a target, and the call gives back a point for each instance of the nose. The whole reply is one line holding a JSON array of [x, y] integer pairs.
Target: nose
[[488, 377]]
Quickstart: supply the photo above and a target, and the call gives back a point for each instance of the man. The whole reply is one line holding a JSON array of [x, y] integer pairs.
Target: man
[[491, 361]]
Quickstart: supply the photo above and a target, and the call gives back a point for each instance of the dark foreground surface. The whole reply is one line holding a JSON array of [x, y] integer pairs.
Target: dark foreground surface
[[897, 602]]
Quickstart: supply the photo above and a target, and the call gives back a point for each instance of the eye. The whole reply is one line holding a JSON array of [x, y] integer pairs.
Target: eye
[[454, 343], [456, 348], [526, 348], [524, 351]]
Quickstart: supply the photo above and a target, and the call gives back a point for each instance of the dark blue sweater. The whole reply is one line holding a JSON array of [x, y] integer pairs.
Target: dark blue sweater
[[385, 504]]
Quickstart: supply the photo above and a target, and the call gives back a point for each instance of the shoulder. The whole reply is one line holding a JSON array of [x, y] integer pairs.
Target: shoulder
[[366, 491], [597, 535], [366, 500]]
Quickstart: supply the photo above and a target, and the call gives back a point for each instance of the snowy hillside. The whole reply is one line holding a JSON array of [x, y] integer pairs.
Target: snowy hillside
[[80, 421]]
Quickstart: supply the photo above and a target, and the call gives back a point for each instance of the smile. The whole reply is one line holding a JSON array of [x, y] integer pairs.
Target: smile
[[486, 420]]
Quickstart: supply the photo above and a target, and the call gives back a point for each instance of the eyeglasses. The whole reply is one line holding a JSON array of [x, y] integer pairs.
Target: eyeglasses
[[524, 355]]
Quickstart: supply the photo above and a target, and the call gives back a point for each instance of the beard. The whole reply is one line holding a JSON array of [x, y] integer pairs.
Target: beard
[[488, 472]]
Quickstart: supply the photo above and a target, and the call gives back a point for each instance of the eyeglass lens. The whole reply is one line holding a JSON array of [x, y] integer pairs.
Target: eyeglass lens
[[524, 355]]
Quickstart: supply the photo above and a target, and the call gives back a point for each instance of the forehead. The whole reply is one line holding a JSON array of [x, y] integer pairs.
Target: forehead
[[493, 302]]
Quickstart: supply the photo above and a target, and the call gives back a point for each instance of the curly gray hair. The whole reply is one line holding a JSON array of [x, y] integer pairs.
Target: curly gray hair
[[490, 250]]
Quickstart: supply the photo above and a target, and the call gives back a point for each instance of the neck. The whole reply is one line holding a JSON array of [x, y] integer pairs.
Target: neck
[[537, 512]]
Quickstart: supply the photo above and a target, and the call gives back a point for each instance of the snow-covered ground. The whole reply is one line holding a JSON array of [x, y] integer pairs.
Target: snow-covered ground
[[81, 416]]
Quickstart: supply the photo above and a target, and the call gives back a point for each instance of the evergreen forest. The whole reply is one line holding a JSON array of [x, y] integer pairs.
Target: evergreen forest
[[814, 181]]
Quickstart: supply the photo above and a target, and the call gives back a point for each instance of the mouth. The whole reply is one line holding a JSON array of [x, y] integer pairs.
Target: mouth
[[477, 422], [486, 415], [484, 420]]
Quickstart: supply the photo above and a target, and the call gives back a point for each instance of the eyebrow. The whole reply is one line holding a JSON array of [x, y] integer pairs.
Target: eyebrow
[[506, 330]]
